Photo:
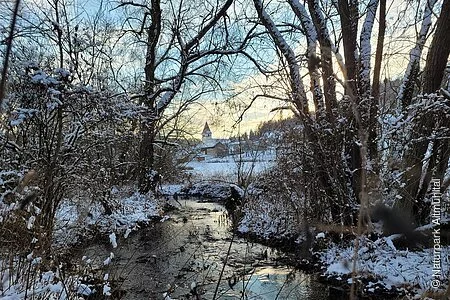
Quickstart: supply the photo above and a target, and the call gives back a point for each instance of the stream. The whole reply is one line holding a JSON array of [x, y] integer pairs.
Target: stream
[[183, 258]]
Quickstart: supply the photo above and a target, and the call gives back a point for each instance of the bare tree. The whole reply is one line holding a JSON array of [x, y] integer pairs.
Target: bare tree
[[54, 122], [406, 91], [434, 121], [356, 71], [189, 51]]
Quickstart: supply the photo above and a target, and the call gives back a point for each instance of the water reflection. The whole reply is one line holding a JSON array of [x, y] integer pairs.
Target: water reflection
[[185, 255]]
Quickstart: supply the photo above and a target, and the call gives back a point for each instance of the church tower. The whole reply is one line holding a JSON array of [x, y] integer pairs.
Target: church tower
[[206, 134]]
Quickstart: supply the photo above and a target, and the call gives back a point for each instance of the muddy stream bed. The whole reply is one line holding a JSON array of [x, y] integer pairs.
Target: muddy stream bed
[[184, 255]]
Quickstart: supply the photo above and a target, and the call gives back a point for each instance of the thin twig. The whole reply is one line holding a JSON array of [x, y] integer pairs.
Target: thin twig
[[224, 265]]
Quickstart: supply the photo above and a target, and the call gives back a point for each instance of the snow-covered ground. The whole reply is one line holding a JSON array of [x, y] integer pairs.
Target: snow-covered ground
[[227, 168], [76, 219], [268, 220], [379, 261], [170, 189], [387, 266]]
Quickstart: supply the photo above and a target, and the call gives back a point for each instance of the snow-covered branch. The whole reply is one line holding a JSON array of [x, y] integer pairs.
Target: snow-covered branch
[[308, 26], [365, 52], [298, 90], [407, 87]]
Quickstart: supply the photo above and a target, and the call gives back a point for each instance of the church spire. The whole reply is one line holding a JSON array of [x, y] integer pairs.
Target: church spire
[[206, 134]]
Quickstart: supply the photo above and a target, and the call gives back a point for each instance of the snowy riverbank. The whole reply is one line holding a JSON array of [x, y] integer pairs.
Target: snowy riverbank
[[382, 269], [76, 221]]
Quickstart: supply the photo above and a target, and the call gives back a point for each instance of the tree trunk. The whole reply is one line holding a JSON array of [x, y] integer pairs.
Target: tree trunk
[[373, 113], [298, 90], [329, 82], [321, 159], [439, 51], [406, 90], [348, 13], [313, 61], [437, 57], [148, 126]]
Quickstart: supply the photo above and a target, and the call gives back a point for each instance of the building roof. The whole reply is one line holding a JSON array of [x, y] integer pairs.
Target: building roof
[[206, 129], [208, 144], [211, 144]]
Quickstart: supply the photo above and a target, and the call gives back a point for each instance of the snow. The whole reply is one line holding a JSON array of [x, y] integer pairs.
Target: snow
[[109, 259], [166, 296], [170, 189], [36, 261], [56, 288], [302, 14], [62, 72], [209, 143], [266, 218], [22, 114], [71, 223], [366, 34], [84, 290], [167, 97], [30, 222], [165, 100], [227, 168], [416, 52], [340, 267], [46, 285], [106, 290], [112, 239], [30, 256], [298, 89], [213, 190], [390, 243], [380, 259], [320, 235]]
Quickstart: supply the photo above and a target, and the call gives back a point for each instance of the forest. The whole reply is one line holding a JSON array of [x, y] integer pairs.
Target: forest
[[343, 187]]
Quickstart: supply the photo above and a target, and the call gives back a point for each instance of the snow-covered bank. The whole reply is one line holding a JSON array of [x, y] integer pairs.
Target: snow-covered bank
[[268, 221], [383, 267], [171, 189], [267, 216], [213, 190], [76, 221]]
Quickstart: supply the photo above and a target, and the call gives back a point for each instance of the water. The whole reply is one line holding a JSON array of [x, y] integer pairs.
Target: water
[[185, 255]]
